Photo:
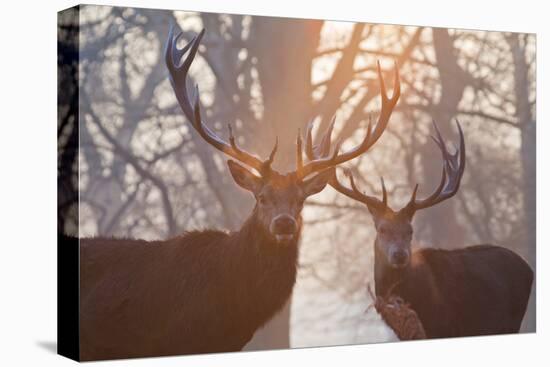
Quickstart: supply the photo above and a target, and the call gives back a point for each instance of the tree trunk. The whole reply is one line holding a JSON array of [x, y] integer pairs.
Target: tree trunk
[[441, 219], [528, 159], [284, 68]]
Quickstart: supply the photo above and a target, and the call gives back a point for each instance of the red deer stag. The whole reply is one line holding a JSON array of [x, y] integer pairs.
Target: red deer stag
[[205, 291], [476, 290]]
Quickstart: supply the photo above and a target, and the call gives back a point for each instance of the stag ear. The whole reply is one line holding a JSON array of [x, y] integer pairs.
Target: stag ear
[[244, 178], [317, 183]]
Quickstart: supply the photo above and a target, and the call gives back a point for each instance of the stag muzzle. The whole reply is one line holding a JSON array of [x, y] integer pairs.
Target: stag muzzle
[[399, 258], [284, 228]]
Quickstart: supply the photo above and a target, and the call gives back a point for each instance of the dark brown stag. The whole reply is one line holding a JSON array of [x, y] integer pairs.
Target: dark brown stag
[[476, 290], [205, 291]]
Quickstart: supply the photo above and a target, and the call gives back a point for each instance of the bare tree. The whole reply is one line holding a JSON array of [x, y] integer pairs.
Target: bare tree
[[144, 175]]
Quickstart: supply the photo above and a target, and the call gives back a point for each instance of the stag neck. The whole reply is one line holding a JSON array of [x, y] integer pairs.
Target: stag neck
[[264, 264]]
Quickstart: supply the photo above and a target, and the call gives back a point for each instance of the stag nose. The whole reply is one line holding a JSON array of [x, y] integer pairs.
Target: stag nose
[[284, 224], [400, 257]]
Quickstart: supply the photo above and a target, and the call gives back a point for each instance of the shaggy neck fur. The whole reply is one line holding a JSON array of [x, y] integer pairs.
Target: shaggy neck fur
[[258, 277], [269, 267]]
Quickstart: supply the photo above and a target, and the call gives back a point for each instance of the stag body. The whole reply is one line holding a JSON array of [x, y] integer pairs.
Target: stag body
[[477, 290], [200, 292], [204, 291]]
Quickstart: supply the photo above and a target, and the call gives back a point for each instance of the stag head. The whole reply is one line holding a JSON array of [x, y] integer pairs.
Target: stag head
[[279, 197], [394, 227]]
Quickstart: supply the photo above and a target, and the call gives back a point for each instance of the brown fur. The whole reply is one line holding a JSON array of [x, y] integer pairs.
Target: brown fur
[[477, 290], [399, 316], [201, 292]]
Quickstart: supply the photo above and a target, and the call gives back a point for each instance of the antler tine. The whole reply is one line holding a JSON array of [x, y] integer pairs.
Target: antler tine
[[322, 151], [370, 201], [458, 160], [266, 165], [453, 169], [352, 193], [320, 157], [384, 192], [324, 145], [309, 141], [299, 152], [387, 103], [438, 139], [178, 72], [349, 175]]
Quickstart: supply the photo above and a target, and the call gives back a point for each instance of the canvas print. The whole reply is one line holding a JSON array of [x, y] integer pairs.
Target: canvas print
[[229, 182]]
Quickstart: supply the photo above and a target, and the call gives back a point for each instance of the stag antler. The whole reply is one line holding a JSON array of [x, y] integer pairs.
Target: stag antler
[[319, 155], [453, 169], [178, 77], [356, 194], [451, 175]]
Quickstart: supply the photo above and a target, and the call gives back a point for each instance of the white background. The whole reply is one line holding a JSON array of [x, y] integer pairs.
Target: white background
[[28, 182]]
